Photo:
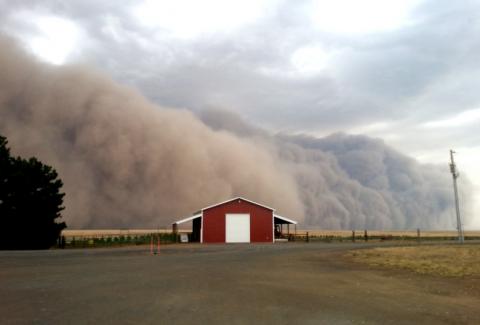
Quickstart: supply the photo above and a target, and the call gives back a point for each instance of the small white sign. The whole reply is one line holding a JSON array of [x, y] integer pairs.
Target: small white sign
[[184, 238]]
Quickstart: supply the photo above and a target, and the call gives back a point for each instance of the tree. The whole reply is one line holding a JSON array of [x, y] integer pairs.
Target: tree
[[30, 201]]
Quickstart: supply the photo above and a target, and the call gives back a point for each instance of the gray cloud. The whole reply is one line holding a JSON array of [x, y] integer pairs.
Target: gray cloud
[[372, 77]]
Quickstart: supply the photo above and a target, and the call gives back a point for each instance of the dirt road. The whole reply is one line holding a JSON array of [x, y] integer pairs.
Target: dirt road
[[295, 283]]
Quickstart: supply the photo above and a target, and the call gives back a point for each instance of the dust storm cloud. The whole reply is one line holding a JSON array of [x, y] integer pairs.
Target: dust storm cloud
[[126, 162], [354, 181]]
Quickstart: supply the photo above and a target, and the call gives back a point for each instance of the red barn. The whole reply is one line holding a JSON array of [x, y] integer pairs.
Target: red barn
[[237, 220]]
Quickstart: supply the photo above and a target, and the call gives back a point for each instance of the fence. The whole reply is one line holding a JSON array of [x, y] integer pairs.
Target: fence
[[115, 239], [112, 238], [375, 235]]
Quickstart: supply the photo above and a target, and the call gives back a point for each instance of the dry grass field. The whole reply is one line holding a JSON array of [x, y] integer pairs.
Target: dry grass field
[[445, 260], [95, 233], [335, 233], [394, 233]]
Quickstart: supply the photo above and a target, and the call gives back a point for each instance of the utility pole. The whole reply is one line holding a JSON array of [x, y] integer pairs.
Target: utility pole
[[455, 175]]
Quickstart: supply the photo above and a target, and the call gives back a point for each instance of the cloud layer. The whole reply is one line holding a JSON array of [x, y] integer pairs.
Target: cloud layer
[[128, 163]]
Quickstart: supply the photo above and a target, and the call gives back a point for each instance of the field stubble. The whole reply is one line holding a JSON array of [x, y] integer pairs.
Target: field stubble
[[444, 260]]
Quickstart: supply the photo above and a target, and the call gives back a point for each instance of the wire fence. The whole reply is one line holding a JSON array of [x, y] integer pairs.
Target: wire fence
[[365, 236]]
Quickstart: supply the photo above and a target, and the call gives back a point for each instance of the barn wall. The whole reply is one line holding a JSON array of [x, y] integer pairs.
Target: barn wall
[[261, 226], [214, 225], [260, 221]]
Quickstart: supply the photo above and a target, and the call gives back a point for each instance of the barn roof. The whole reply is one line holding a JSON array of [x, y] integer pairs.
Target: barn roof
[[238, 198], [195, 216], [198, 214], [285, 219]]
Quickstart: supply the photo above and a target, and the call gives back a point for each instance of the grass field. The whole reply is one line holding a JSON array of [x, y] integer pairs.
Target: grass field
[[312, 232], [111, 232], [445, 260], [394, 233]]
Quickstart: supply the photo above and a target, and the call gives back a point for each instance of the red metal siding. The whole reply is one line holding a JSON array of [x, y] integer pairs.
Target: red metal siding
[[260, 221], [213, 226]]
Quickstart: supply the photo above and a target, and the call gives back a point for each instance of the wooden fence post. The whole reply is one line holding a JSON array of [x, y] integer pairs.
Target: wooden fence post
[[151, 244]]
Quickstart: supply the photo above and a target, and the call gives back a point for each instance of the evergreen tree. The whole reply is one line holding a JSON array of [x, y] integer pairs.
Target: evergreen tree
[[30, 201]]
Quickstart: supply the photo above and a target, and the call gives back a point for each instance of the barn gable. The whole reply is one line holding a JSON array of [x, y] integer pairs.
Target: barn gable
[[238, 199]]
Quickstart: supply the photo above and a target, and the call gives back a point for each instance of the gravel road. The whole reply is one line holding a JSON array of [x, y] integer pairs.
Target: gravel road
[[288, 283]]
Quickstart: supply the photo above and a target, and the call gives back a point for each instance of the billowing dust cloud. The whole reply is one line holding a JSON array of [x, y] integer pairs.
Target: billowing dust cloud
[[356, 182], [126, 162]]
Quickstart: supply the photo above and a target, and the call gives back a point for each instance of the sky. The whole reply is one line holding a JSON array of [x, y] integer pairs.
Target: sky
[[405, 71]]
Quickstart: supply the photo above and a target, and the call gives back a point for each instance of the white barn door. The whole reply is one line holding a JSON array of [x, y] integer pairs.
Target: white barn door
[[237, 228]]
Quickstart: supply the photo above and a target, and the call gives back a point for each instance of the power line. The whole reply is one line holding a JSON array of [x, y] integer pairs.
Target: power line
[[455, 175]]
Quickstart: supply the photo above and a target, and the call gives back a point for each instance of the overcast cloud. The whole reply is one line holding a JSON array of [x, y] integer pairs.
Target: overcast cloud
[[410, 79]]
